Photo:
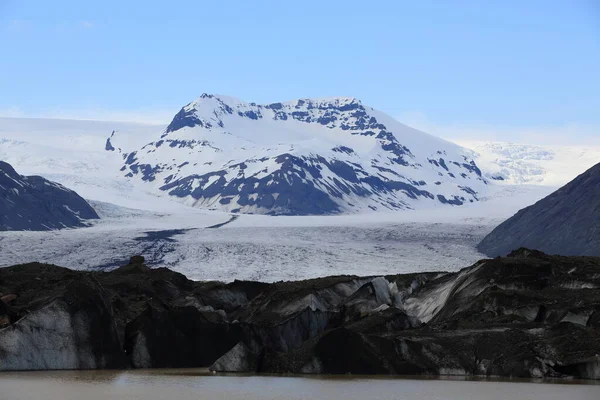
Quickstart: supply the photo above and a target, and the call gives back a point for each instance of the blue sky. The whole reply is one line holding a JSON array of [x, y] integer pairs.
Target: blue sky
[[499, 69]]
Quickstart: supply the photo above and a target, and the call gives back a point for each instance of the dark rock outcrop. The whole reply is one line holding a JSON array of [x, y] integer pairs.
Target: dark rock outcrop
[[567, 222], [133, 316], [33, 203], [178, 337], [528, 315], [108, 146], [65, 323]]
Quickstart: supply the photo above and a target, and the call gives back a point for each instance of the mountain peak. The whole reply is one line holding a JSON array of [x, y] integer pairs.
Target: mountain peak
[[214, 111], [210, 100], [334, 101], [8, 170]]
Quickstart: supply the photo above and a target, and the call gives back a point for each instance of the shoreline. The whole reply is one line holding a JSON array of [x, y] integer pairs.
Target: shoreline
[[206, 373]]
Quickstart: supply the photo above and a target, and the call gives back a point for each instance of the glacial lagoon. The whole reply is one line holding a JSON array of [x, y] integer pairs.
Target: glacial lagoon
[[199, 384]]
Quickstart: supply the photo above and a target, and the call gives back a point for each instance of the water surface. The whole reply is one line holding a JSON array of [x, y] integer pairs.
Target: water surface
[[199, 385]]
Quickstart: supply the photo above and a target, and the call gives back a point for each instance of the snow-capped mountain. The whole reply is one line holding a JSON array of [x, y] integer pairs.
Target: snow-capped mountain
[[309, 156]]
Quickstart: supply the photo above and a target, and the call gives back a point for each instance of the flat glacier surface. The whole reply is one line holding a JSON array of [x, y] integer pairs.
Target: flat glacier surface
[[254, 247]]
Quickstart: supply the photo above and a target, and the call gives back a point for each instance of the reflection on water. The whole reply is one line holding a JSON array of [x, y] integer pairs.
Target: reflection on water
[[199, 384]]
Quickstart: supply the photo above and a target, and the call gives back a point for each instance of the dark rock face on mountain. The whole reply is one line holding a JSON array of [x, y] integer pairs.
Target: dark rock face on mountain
[[526, 315], [35, 204], [567, 222], [108, 146]]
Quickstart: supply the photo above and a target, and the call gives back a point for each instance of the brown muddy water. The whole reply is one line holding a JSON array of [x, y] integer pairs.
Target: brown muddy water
[[188, 384]]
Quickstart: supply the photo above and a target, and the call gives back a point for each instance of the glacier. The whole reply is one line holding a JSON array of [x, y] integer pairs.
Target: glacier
[[139, 218]]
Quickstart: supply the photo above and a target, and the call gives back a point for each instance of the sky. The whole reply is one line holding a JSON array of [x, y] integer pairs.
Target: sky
[[524, 71]]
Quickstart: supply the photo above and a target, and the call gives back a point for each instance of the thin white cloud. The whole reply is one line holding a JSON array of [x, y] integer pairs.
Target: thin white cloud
[[86, 24], [18, 26], [145, 116], [567, 134], [21, 26], [12, 112]]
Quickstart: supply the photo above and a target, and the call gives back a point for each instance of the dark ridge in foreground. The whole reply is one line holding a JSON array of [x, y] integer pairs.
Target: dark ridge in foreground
[[528, 315], [567, 222]]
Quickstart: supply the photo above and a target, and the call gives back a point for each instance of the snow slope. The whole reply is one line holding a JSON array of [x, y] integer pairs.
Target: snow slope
[[308, 156], [515, 163], [73, 154]]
